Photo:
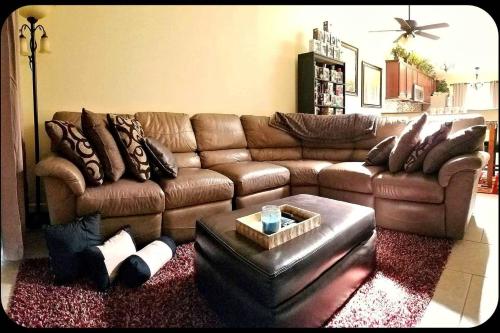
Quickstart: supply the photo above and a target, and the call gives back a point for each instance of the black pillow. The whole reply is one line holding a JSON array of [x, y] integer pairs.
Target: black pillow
[[142, 265], [103, 261], [161, 158], [66, 243]]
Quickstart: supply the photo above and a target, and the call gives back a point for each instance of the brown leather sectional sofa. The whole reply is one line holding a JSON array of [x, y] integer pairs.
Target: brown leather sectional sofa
[[228, 162]]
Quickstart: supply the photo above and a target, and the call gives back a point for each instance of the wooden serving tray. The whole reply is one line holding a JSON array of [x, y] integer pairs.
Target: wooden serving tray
[[250, 226]]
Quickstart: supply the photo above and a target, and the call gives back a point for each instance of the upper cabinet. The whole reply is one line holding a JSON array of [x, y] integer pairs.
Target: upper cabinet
[[401, 79]]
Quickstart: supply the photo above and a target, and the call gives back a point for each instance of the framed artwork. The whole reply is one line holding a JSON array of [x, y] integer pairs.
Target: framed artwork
[[350, 57], [371, 85]]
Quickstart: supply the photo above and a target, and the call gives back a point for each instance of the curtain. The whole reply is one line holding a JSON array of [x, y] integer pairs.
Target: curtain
[[459, 94], [12, 187], [494, 94]]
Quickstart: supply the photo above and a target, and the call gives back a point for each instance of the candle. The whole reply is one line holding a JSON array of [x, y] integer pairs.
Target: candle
[[271, 219]]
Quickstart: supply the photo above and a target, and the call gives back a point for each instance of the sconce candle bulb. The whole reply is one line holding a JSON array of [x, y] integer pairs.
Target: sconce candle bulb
[[44, 44], [23, 45]]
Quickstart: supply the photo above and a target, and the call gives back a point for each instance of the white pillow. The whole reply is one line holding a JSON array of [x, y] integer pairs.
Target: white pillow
[[141, 266], [104, 260]]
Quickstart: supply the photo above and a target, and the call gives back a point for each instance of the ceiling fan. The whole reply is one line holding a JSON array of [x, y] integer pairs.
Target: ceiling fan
[[410, 27]]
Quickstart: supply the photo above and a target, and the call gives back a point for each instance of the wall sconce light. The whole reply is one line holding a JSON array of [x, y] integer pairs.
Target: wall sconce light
[[29, 48]]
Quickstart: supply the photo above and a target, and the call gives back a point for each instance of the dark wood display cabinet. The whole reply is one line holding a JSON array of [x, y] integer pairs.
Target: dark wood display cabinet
[[401, 79], [321, 83]]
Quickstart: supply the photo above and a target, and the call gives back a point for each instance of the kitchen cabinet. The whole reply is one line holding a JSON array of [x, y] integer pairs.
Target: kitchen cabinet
[[401, 78]]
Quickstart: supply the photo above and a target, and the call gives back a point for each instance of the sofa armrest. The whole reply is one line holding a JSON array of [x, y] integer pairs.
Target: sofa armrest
[[61, 168], [468, 162]]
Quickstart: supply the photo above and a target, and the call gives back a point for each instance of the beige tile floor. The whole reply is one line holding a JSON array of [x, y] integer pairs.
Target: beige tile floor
[[466, 294]]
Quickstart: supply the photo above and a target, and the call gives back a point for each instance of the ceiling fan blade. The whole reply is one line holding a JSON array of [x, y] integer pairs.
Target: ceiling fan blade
[[404, 25], [384, 30], [433, 26], [425, 34], [401, 36]]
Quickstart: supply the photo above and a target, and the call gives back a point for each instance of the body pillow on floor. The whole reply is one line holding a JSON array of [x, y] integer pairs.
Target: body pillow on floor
[[104, 261], [141, 266]]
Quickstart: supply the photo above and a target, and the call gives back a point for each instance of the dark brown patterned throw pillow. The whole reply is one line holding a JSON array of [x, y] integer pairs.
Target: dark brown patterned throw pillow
[[128, 134], [379, 155], [465, 141], [70, 142], [416, 159], [94, 126], [162, 160], [406, 142]]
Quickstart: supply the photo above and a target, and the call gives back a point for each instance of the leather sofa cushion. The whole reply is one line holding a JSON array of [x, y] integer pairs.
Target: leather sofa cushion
[[187, 160], [386, 127], [278, 274], [330, 154], [211, 158], [260, 135], [303, 172], [276, 154], [413, 217], [194, 186], [251, 177], [262, 197], [349, 176], [218, 131], [125, 197], [172, 129], [408, 186]]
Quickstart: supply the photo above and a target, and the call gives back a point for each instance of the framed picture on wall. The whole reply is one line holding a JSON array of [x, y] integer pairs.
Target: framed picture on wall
[[350, 57], [371, 85]]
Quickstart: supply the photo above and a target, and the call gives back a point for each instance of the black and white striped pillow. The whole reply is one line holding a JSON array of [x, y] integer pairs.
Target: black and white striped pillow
[[141, 266], [104, 260]]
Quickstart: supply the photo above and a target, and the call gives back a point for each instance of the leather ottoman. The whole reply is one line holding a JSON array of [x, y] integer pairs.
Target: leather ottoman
[[300, 283]]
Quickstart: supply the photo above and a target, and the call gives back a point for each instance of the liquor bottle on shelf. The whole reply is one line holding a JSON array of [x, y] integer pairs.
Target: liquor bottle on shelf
[[340, 75]]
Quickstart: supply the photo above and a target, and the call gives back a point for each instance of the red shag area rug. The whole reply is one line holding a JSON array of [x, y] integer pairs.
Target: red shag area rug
[[396, 295]]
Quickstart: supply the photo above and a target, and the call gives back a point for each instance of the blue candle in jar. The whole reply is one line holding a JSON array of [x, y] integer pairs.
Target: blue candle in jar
[[271, 219]]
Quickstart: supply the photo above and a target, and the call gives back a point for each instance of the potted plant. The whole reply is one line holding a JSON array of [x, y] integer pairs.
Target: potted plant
[[399, 53], [442, 87]]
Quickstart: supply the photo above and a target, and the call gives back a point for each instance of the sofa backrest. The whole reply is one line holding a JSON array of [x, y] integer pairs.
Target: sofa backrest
[[220, 139], [353, 151], [174, 130], [267, 143]]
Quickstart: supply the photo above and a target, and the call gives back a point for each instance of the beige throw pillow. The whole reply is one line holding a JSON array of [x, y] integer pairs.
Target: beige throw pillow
[[406, 142]]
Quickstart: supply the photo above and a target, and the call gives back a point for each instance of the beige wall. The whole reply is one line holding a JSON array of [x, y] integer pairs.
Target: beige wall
[[192, 59]]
